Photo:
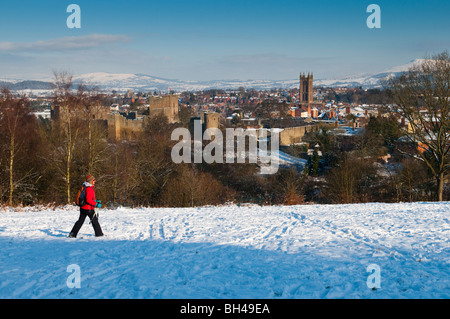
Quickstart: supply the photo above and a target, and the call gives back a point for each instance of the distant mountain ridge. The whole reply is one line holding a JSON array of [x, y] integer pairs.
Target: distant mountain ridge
[[146, 83], [27, 85], [369, 80]]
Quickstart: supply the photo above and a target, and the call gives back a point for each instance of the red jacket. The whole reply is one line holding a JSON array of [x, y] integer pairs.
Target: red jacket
[[90, 199]]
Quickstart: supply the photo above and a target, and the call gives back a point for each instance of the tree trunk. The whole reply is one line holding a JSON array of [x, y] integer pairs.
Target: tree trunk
[[410, 190], [69, 159], [116, 177], [91, 149], [440, 185], [11, 168]]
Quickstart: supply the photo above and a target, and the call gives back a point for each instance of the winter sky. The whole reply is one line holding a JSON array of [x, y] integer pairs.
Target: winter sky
[[206, 40]]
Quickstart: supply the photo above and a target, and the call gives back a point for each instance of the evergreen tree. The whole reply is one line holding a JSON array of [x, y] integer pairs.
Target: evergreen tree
[[314, 162]]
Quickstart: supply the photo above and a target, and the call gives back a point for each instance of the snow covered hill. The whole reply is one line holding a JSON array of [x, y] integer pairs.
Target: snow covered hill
[[368, 80], [254, 252], [121, 82], [146, 83]]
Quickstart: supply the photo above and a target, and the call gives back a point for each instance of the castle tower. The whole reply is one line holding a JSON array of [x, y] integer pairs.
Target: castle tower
[[306, 89], [212, 120], [167, 105]]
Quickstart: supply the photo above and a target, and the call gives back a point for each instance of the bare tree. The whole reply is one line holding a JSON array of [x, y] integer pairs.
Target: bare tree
[[289, 186], [67, 126], [190, 187], [423, 98], [152, 165], [16, 125], [350, 181], [411, 177]]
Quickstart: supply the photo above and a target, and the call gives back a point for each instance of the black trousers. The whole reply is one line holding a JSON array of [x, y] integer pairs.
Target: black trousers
[[94, 219]]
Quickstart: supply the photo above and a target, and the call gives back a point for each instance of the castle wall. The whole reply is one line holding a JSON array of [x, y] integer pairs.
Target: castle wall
[[293, 135], [120, 128], [126, 126]]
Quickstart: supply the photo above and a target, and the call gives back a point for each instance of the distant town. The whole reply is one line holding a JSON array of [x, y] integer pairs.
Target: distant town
[[348, 108]]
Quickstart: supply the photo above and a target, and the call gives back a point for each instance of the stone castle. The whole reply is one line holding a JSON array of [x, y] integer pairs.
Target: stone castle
[[122, 126], [127, 125]]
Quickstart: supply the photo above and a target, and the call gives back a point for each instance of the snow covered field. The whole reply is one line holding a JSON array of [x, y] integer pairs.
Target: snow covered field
[[254, 252]]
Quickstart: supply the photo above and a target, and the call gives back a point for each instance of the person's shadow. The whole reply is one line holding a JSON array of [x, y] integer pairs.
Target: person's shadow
[[55, 233]]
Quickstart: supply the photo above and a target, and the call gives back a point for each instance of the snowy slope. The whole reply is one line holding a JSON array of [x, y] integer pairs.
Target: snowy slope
[[368, 80], [146, 83], [230, 252], [279, 159], [122, 82]]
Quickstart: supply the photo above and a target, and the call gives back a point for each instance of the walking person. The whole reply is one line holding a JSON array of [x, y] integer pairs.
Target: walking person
[[88, 209]]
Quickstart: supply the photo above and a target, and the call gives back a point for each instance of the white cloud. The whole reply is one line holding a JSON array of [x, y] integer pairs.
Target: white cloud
[[64, 44]]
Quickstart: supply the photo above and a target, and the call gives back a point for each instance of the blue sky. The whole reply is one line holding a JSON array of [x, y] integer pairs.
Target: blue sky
[[205, 40]]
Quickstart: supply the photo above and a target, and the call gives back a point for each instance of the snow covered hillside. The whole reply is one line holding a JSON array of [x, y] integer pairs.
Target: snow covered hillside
[[307, 251], [122, 82]]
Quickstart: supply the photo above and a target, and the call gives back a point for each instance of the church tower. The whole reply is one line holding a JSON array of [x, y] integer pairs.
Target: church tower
[[306, 89]]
